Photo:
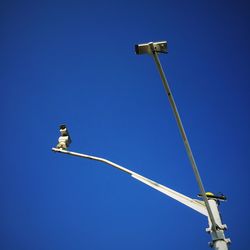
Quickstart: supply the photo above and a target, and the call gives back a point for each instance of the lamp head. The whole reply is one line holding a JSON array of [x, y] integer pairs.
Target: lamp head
[[151, 48]]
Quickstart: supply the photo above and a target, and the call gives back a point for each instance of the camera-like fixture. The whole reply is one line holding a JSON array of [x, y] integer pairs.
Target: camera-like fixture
[[64, 140], [151, 48]]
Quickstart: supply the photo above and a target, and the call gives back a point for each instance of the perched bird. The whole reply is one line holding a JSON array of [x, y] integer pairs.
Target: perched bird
[[64, 140]]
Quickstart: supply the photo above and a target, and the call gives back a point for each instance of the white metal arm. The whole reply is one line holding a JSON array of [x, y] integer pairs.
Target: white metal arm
[[198, 206]]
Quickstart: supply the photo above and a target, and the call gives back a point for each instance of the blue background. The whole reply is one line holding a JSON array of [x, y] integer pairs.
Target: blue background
[[73, 62]]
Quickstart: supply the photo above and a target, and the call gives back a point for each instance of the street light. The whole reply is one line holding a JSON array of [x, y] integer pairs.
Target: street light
[[216, 228], [209, 206], [197, 205], [192, 203]]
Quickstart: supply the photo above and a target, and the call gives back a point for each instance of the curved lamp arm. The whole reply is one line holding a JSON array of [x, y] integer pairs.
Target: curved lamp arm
[[196, 205]]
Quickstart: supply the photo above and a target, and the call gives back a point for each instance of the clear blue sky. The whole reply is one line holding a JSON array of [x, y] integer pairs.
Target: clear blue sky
[[73, 62]]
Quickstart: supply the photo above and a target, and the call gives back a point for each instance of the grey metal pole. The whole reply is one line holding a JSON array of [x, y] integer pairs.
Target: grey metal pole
[[216, 229], [183, 134], [198, 206], [219, 241], [95, 158]]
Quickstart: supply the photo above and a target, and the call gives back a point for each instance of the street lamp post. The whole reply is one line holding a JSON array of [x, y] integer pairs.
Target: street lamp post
[[209, 206], [197, 205], [216, 228]]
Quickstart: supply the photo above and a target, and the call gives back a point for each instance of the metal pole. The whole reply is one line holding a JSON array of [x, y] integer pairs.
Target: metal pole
[[95, 158], [191, 203], [183, 135], [219, 241]]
